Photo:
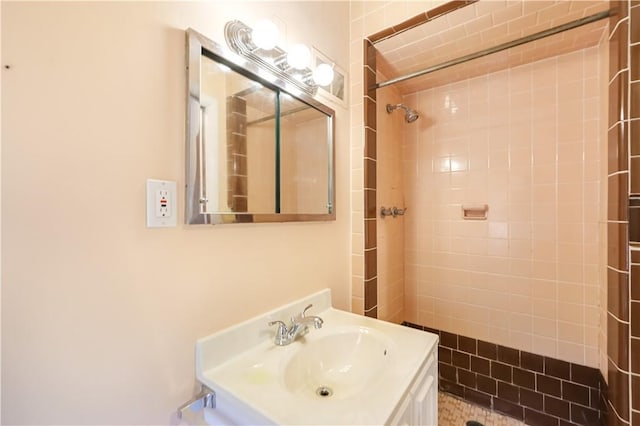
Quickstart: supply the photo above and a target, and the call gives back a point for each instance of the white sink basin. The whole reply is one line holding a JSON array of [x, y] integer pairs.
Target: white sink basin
[[353, 370], [341, 365]]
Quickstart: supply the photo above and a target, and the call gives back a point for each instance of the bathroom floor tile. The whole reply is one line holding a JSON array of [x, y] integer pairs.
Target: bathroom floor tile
[[455, 412]]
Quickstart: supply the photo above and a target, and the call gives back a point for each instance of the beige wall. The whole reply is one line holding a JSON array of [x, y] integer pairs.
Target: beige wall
[[99, 313], [261, 174], [213, 82], [305, 165], [525, 141]]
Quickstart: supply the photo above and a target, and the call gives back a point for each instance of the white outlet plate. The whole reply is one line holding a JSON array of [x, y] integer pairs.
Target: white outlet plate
[[161, 203]]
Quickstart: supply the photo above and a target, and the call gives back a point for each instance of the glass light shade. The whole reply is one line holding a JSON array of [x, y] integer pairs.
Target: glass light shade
[[323, 75], [265, 34], [299, 56]]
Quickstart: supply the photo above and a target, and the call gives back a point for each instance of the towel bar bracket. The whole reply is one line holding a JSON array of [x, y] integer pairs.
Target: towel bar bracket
[[206, 398]]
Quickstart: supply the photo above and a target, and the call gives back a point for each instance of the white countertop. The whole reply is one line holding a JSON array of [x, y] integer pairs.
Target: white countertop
[[244, 366]]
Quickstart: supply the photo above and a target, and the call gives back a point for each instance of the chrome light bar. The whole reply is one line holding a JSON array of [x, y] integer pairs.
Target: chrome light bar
[[238, 37]]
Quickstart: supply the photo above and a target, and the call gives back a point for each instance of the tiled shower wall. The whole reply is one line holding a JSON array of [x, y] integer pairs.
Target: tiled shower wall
[[389, 194], [368, 17], [525, 142], [623, 144]]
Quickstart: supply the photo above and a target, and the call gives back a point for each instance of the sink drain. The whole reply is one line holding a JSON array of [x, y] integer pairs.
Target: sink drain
[[324, 391]]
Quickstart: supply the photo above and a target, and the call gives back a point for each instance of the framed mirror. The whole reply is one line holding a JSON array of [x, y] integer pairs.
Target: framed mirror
[[258, 149]]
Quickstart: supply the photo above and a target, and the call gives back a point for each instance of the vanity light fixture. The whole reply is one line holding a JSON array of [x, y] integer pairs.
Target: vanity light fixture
[[299, 56], [259, 45], [323, 74], [265, 34]]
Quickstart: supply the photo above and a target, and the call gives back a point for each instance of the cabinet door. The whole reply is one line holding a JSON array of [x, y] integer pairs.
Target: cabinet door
[[403, 416], [420, 405], [425, 398], [426, 410]]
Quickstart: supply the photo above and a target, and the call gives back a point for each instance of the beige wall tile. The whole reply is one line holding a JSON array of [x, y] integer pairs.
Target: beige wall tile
[[357, 305], [534, 180]]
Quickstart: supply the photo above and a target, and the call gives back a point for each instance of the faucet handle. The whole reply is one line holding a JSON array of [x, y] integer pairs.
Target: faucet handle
[[304, 311], [278, 322], [281, 332]]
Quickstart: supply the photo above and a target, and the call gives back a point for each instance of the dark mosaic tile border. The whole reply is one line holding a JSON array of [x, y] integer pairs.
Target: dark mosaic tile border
[[535, 389]]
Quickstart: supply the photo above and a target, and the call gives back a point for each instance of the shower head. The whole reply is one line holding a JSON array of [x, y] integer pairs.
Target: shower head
[[410, 115]]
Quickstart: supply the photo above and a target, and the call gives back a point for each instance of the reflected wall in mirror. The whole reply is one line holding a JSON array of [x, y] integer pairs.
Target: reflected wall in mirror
[[255, 152]]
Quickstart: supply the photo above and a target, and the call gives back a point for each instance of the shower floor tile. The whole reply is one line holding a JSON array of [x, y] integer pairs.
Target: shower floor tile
[[456, 412]]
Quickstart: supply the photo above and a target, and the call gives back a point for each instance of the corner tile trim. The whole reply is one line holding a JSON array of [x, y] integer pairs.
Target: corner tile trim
[[370, 185], [419, 20]]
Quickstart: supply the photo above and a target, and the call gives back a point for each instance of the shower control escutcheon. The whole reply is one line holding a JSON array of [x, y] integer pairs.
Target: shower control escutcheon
[[392, 211]]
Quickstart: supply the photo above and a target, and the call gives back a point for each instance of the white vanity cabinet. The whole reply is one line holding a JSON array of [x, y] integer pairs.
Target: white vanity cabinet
[[419, 406], [354, 370]]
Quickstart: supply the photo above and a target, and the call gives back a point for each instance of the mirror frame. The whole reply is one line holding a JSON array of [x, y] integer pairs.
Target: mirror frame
[[197, 46]]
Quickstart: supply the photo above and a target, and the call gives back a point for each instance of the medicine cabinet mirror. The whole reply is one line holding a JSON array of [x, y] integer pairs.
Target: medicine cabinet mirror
[[258, 149]]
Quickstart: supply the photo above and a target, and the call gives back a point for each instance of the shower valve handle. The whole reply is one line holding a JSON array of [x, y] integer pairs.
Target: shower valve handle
[[391, 211], [399, 212]]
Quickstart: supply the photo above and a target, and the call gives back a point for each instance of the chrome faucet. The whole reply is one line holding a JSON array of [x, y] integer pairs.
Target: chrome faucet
[[299, 326]]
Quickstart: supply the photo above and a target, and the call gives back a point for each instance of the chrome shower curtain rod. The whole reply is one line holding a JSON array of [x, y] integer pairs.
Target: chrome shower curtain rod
[[499, 48]]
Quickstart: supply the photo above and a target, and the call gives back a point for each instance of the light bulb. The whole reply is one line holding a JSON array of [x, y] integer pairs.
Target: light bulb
[[299, 56], [265, 34], [323, 75]]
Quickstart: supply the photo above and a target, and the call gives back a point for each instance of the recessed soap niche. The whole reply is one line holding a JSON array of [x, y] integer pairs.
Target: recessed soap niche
[[475, 211]]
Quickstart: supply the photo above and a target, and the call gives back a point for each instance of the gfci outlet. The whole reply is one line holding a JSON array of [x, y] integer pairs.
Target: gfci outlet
[[161, 203]]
